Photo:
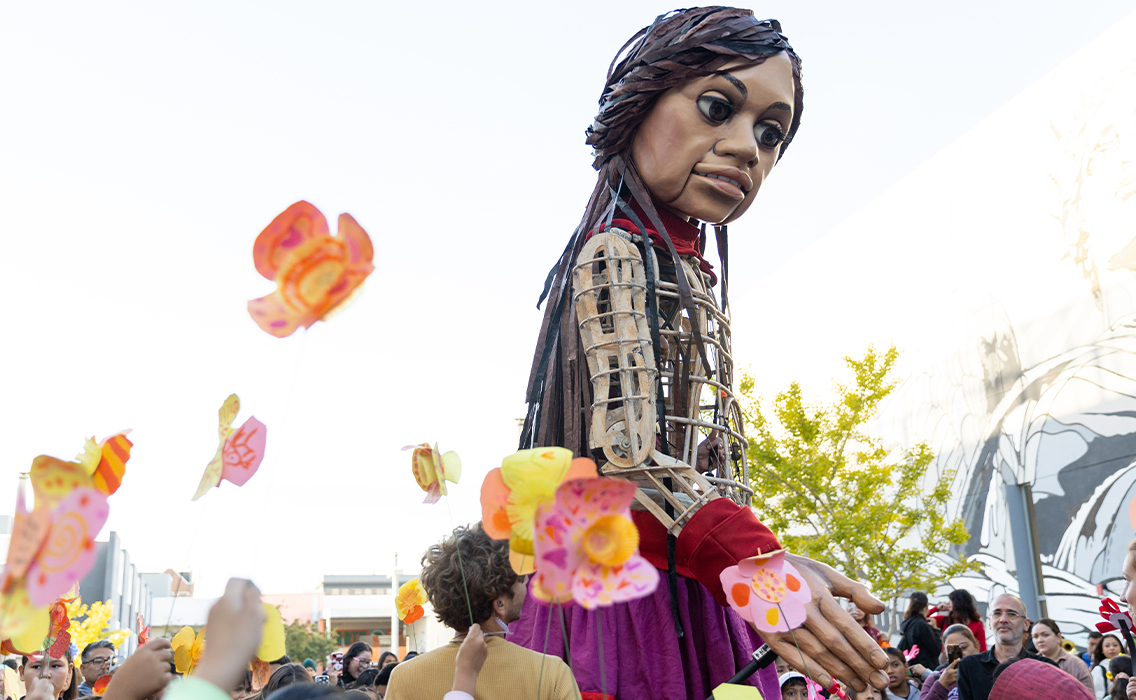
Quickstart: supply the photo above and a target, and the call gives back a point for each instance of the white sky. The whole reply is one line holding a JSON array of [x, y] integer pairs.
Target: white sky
[[143, 146]]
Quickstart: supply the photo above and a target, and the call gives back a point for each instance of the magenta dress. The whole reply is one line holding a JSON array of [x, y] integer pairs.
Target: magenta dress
[[643, 659]]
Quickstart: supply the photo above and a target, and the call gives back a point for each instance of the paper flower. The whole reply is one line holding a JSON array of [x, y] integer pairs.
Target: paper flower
[[188, 649], [768, 591], [1111, 612], [58, 639], [101, 465], [69, 551], [101, 684], [314, 271], [511, 493], [240, 451], [143, 630], [409, 601], [272, 637], [29, 530], [23, 626], [432, 469], [586, 546], [911, 653]]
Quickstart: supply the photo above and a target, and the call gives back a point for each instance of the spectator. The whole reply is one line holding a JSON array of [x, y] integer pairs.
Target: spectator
[[283, 677], [58, 681], [495, 595], [145, 674], [939, 685], [964, 611], [383, 679], [273, 665], [387, 658], [1008, 621], [900, 685], [1094, 642], [865, 621], [794, 686], [1121, 670], [918, 632], [96, 658], [869, 693], [409, 655], [1036, 680], [1108, 649], [310, 667], [1047, 639], [357, 658]]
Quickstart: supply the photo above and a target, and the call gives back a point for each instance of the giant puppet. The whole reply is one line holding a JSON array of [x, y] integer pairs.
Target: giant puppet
[[633, 366]]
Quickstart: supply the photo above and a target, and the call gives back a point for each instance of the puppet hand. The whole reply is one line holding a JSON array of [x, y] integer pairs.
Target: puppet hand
[[234, 628], [711, 454], [471, 657], [145, 674], [831, 643]]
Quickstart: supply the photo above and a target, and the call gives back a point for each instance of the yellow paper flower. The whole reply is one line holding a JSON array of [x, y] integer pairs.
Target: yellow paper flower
[[432, 469], [409, 601], [510, 496], [188, 649]]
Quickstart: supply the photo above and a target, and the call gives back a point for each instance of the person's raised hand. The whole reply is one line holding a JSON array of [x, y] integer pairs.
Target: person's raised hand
[[711, 454], [145, 674], [471, 657], [41, 688], [232, 636], [950, 675], [832, 644]]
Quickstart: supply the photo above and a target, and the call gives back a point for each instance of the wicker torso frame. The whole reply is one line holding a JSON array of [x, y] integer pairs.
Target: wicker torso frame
[[609, 291]]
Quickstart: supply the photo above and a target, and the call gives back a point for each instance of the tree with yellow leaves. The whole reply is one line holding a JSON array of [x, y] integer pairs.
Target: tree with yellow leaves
[[93, 625]]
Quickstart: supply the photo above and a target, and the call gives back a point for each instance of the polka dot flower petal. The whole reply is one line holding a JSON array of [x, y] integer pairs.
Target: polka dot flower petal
[[768, 591]]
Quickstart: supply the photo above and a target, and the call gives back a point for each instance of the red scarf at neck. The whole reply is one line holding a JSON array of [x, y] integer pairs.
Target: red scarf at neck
[[687, 237]]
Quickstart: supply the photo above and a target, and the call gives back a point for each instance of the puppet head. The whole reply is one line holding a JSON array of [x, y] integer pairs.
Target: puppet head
[[680, 49]]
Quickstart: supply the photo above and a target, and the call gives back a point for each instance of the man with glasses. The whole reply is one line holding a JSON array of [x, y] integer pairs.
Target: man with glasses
[[1009, 623], [97, 659]]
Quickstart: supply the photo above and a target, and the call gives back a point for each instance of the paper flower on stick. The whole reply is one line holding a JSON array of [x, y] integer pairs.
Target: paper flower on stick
[[188, 649], [432, 469], [69, 551], [511, 493], [768, 591], [315, 272], [586, 546], [101, 684], [409, 601], [911, 653], [240, 451], [1111, 612], [58, 638], [143, 630]]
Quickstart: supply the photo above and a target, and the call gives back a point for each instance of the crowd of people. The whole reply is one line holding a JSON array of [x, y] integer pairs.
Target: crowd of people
[[942, 652]]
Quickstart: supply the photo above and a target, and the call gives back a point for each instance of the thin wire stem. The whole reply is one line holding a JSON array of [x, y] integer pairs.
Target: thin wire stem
[[461, 564], [599, 637], [792, 634]]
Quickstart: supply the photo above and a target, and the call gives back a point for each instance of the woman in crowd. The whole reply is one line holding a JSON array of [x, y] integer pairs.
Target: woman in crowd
[[964, 611], [940, 683], [357, 658], [1121, 670], [917, 632], [865, 621], [387, 658], [285, 676], [58, 681], [1047, 638], [1108, 649]]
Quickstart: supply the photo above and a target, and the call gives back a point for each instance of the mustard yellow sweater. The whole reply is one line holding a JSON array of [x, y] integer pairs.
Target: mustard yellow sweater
[[510, 672]]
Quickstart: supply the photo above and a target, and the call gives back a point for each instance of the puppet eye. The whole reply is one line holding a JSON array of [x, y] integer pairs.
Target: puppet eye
[[715, 109], [768, 134]]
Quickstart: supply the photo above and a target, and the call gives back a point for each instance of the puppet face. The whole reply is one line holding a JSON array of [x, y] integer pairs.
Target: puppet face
[[706, 147]]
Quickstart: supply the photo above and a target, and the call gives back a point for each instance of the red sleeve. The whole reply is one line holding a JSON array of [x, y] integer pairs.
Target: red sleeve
[[718, 536], [979, 630]]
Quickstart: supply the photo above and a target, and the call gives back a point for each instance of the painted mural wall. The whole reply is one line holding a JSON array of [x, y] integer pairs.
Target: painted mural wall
[[1005, 269]]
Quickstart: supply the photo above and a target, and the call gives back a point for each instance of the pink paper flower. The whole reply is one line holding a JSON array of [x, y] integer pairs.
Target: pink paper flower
[[911, 653], [768, 591], [587, 548], [1110, 611]]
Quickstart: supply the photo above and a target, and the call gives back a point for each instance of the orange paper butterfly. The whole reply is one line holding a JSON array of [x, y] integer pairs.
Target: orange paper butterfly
[[314, 271]]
